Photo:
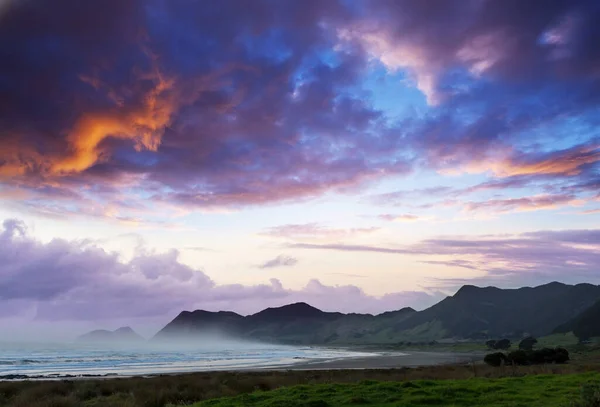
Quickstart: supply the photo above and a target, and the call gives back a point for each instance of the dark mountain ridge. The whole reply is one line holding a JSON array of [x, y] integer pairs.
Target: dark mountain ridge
[[475, 312], [472, 313], [297, 323]]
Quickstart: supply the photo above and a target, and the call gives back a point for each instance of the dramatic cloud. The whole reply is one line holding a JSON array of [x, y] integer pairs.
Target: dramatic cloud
[[133, 105], [141, 113], [499, 40], [70, 280], [146, 96], [279, 261]]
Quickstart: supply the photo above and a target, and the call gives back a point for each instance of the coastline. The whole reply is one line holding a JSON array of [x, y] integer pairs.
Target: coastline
[[378, 360], [391, 360]]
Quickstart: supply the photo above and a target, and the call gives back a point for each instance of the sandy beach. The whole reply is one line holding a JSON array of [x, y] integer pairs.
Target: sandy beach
[[378, 360], [390, 360]]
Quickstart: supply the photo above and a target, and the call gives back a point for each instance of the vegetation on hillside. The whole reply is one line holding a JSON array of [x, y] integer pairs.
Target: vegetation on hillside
[[543, 391], [585, 325], [472, 313], [502, 344], [185, 389]]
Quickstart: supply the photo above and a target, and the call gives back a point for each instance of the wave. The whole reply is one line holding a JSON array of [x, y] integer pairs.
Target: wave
[[20, 362]]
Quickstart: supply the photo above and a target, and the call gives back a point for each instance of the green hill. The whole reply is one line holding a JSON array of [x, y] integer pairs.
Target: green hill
[[585, 326], [472, 313], [478, 313]]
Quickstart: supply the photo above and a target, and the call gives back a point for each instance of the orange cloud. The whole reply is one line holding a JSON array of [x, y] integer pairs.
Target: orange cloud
[[143, 125], [566, 162]]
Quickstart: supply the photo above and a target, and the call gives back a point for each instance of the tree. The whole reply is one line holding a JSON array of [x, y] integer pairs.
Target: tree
[[561, 355], [518, 357], [527, 343], [549, 355], [503, 344], [532, 357], [495, 359], [491, 344]]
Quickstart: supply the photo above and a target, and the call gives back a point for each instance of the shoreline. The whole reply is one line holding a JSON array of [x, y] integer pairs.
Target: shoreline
[[380, 360], [391, 360]]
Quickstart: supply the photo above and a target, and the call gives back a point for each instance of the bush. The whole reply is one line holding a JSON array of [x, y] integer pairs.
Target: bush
[[495, 359], [561, 355], [503, 344], [589, 397], [519, 358], [528, 343], [522, 358]]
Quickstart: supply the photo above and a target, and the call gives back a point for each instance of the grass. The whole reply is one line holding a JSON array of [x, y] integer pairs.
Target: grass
[[540, 390], [564, 340], [186, 389]]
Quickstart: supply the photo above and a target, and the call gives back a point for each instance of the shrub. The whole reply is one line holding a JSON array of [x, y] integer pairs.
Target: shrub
[[519, 358], [522, 358], [495, 359], [561, 355], [528, 343], [589, 396], [503, 344]]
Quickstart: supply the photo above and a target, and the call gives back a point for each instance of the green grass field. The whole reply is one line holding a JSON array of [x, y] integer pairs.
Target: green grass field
[[527, 391]]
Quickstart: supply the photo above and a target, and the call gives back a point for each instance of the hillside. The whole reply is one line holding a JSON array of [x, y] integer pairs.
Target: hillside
[[297, 323], [188, 324], [479, 313], [585, 326], [121, 335], [472, 313]]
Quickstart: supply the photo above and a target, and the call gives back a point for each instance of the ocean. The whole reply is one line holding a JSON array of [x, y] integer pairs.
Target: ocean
[[65, 360]]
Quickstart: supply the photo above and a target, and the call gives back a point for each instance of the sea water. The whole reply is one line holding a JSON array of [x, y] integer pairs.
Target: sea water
[[60, 360]]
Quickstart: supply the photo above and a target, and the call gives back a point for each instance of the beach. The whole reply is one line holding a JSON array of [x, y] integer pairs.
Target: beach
[[82, 362], [391, 360]]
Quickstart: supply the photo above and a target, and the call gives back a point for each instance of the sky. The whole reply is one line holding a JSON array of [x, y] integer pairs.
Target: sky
[[362, 156]]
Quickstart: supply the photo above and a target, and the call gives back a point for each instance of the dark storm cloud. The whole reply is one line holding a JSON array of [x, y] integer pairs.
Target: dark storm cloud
[[206, 104], [233, 103], [494, 70]]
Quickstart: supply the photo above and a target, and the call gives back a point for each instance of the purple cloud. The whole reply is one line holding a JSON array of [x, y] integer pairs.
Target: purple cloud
[[279, 261], [349, 248], [405, 217], [145, 104], [527, 259], [533, 203], [71, 280], [312, 231]]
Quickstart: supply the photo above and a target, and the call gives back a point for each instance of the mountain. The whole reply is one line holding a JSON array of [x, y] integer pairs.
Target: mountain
[[472, 313], [297, 323], [121, 335], [492, 312], [189, 324], [585, 325]]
